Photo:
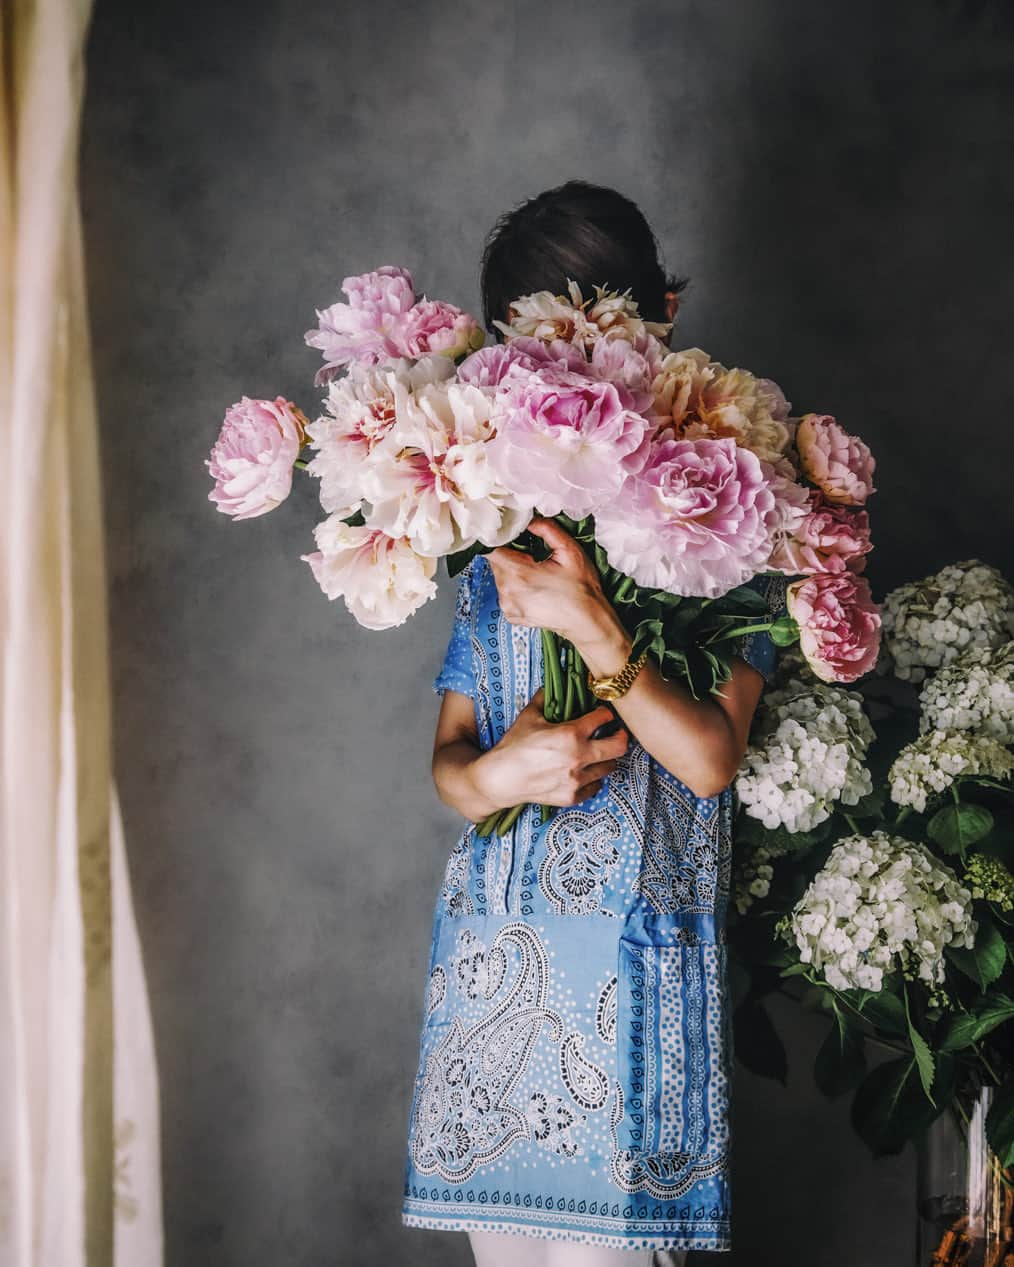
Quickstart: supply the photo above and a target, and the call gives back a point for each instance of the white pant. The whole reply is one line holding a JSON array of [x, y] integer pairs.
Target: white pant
[[509, 1249]]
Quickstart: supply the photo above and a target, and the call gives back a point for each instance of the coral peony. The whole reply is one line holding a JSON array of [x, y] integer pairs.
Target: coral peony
[[839, 624], [839, 464], [696, 520], [381, 578], [251, 461], [829, 538]]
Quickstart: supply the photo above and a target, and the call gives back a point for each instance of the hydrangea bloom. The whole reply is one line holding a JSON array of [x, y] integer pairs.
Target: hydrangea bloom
[[251, 462], [931, 763], [929, 623], [806, 753], [382, 580], [696, 520], [988, 878], [878, 904], [974, 692]]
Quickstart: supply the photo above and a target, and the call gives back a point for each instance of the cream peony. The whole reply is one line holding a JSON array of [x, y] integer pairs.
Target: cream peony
[[382, 579]]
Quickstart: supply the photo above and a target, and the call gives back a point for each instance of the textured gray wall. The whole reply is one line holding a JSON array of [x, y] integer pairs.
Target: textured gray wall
[[836, 179]]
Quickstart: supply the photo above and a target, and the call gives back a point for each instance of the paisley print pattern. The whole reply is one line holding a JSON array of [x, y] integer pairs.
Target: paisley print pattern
[[575, 1062]]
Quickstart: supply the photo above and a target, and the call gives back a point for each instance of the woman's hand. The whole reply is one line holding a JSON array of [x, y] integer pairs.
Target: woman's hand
[[552, 763], [563, 593]]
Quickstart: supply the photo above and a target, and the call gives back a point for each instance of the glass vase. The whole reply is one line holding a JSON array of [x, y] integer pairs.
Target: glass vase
[[965, 1199]]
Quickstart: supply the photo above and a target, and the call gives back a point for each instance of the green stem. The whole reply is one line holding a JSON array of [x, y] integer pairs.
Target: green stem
[[552, 676], [568, 702]]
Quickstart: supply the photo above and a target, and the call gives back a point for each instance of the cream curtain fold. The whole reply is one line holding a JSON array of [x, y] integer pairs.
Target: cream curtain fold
[[79, 1125]]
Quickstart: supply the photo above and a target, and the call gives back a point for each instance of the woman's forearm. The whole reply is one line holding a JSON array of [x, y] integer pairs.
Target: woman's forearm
[[691, 738], [462, 773]]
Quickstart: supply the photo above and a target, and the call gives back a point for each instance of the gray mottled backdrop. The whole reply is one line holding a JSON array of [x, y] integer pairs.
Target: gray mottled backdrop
[[837, 181]]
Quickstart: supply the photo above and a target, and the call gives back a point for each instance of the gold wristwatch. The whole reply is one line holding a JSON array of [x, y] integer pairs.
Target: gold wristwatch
[[617, 684]]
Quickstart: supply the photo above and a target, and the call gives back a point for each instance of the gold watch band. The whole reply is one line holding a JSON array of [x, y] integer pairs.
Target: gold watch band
[[617, 684]]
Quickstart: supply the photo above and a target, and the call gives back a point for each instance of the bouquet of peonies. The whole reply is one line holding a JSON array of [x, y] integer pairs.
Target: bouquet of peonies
[[874, 842], [682, 479]]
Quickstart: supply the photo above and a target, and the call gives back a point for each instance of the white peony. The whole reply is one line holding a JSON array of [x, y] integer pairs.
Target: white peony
[[361, 413], [432, 482], [383, 580]]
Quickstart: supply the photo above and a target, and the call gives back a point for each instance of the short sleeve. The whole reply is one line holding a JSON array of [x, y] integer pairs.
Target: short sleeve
[[758, 648], [456, 672]]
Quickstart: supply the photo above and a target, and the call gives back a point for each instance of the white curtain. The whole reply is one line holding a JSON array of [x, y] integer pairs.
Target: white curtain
[[79, 1127]]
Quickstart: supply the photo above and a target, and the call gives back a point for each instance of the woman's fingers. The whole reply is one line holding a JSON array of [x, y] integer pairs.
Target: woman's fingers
[[598, 769]]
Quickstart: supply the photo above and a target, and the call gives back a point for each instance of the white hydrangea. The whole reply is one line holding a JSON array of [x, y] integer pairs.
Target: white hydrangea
[[929, 623], [975, 692], [933, 761], [806, 754], [880, 902], [753, 874]]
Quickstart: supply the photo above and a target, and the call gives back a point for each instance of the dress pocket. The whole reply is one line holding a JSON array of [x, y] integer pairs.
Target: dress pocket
[[673, 1039]]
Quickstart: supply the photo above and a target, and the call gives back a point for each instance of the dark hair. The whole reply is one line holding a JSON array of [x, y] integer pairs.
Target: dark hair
[[586, 232]]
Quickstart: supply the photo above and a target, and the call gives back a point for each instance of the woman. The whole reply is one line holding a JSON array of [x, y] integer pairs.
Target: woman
[[572, 1098]]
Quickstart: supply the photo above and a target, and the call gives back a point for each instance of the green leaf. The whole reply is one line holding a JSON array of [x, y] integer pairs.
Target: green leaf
[[985, 961], [955, 827], [841, 1061], [885, 1011], [458, 561], [1000, 1123], [923, 1055], [968, 1027], [890, 1107], [357, 519], [869, 806], [756, 1041]]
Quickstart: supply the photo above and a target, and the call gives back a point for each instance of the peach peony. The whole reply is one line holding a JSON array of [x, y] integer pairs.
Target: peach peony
[[839, 624], [839, 464]]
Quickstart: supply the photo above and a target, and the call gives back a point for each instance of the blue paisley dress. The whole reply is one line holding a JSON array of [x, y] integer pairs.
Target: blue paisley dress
[[575, 1060]]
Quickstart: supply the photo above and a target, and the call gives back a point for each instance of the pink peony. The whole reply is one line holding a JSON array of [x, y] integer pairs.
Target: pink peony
[[830, 538], [381, 578], [839, 464], [363, 330], [251, 461], [564, 441], [696, 520], [431, 326], [839, 624]]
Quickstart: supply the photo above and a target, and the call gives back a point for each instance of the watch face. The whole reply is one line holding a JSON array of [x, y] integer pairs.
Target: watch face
[[607, 692]]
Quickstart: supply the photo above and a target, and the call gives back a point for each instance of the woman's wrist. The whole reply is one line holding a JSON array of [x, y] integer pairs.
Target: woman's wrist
[[488, 786], [604, 645]]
